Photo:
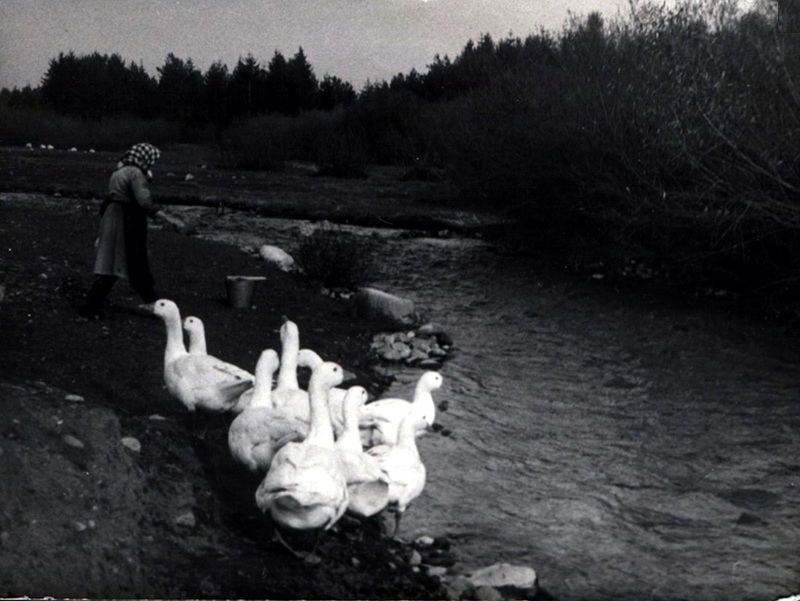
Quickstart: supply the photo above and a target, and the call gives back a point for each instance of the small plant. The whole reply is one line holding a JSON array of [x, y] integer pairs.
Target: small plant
[[336, 258]]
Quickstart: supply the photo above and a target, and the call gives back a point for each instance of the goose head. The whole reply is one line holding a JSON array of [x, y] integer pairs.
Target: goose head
[[197, 335], [167, 310], [289, 332], [267, 365], [428, 382]]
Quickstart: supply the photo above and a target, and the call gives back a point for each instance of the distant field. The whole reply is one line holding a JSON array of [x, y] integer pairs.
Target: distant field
[[187, 174]]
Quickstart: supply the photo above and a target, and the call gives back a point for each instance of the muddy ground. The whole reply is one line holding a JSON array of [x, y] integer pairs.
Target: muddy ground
[[83, 515]]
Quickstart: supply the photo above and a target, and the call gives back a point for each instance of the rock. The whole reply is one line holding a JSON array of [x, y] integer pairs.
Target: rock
[[132, 443], [74, 398], [186, 519], [504, 575], [379, 306], [72, 441], [277, 256], [424, 542], [487, 593], [414, 558], [436, 571], [188, 177], [460, 587]]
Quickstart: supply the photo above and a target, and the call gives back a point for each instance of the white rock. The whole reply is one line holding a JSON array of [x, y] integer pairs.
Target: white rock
[[72, 441], [131, 443], [436, 571], [74, 398], [73, 149], [189, 177], [505, 574], [186, 519], [277, 257], [377, 305], [487, 593]]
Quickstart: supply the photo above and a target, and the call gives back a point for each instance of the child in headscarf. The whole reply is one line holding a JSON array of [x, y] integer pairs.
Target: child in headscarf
[[122, 243]]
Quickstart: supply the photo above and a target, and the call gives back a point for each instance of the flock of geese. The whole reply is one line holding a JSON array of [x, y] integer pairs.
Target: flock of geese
[[322, 451]]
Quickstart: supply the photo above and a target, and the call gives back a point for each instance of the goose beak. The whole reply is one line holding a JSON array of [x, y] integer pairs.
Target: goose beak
[[347, 376]]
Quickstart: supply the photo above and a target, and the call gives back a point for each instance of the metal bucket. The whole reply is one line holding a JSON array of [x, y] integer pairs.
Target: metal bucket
[[241, 290]]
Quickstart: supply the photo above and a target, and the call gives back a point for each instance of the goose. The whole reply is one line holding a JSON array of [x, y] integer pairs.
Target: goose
[[256, 434], [197, 380], [305, 487], [197, 339], [310, 359], [367, 485], [402, 465], [379, 421], [288, 396], [197, 335]]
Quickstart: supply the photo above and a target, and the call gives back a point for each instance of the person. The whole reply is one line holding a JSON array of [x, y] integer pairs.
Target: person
[[122, 242]]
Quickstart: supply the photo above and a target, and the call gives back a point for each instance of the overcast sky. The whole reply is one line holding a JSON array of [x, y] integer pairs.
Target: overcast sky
[[356, 40]]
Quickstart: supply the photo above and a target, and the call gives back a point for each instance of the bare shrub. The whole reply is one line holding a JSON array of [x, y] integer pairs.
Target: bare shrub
[[336, 258]]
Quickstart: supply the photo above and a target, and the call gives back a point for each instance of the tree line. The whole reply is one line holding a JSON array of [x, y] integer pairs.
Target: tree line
[[96, 85]]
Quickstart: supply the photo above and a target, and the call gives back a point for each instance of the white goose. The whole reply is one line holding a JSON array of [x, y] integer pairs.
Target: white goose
[[402, 466], [308, 358], [380, 420], [367, 484], [256, 434], [197, 335], [197, 380], [305, 487], [288, 396]]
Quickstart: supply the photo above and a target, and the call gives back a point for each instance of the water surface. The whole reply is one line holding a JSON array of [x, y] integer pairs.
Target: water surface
[[623, 448]]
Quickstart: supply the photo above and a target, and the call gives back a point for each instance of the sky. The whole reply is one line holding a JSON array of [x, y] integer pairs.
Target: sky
[[355, 40]]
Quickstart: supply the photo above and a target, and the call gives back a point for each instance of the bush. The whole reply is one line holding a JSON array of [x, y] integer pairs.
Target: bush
[[20, 126], [336, 258]]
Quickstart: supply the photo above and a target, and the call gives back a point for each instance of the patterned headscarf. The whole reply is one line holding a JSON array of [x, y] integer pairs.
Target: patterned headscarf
[[142, 155]]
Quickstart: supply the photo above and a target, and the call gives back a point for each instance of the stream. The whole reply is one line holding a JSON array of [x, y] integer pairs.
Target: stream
[[625, 449]]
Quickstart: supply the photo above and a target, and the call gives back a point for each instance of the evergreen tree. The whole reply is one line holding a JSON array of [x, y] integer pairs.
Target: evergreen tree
[[216, 97], [334, 92], [248, 88], [277, 83], [179, 87], [302, 84]]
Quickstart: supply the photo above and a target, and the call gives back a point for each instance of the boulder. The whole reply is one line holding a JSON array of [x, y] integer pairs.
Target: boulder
[[504, 576], [277, 257], [379, 306]]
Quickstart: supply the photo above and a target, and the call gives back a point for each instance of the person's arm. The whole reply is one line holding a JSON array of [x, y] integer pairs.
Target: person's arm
[[145, 200], [176, 222]]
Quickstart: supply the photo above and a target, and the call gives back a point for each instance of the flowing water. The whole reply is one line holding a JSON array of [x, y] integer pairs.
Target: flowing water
[[624, 449]]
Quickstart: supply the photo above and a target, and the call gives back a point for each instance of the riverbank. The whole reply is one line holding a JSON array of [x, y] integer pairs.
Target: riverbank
[[110, 488]]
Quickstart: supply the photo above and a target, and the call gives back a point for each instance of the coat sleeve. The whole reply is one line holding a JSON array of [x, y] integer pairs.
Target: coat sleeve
[[141, 192]]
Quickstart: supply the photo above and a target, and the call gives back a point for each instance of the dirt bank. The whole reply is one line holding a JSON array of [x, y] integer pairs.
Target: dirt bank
[[83, 515]]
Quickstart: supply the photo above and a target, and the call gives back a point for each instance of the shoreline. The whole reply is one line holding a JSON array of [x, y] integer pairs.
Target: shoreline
[[82, 373]]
